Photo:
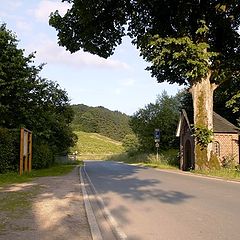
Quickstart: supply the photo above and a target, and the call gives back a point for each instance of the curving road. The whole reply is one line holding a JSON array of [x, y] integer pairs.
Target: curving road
[[150, 204]]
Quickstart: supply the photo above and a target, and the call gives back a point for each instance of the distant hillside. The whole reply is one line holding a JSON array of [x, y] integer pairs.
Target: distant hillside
[[112, 124]]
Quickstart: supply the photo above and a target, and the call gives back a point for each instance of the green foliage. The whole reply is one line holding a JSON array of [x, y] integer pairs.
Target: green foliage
[[182, 40], [234, 102], [185, 42], [9, 149], [203, 135], [228, 162], [112, 124], [214, 162], [226, 100], [177, 58], [225, 173], [167, 159], [28, 100], [163, 114], [43, 156], [131, 144], [55, 170]]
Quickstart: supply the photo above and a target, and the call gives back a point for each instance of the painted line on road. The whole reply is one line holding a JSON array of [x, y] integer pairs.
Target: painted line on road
[[95, 231], [119, 234]]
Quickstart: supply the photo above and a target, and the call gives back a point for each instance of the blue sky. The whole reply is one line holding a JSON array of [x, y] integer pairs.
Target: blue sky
[[118, 83]]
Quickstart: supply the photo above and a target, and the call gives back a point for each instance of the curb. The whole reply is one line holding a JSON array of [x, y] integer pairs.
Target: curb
[[186, 173], [95, 232], [118, 233]]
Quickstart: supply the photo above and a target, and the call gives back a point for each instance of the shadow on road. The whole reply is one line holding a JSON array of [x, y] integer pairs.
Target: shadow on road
[[130, 182]]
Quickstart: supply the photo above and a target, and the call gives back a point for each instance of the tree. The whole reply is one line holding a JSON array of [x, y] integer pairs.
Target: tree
[[27, 100], [112, 124], [162, 114], [131, 144], [226, 101], [193, 42]]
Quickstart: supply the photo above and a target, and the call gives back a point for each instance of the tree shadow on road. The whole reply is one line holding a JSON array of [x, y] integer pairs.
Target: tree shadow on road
[[127, 183]]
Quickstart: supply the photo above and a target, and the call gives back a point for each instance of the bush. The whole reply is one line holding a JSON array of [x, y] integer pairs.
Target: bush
[[228, 162], [168, 157], [9, 150], [131, 144], [43, 156]]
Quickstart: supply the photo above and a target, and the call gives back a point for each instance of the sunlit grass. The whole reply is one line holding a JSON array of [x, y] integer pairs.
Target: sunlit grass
[[56, 170], [95, 146], [225, 173], [165, 160]]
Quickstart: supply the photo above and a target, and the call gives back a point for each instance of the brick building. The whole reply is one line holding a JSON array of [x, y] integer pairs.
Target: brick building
[[225, 140]]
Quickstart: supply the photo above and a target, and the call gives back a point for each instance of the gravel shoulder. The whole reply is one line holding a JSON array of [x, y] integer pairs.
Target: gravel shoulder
[[48, 208]]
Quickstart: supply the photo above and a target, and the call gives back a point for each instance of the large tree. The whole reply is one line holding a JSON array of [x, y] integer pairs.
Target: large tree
[[194, 42], [27, 100]]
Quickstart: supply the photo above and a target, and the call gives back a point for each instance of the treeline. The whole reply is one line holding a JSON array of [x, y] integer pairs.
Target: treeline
[[30, 101], [112, 124], [164, 115]]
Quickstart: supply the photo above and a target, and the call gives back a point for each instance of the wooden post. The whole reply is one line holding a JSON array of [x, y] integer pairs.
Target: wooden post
[[30, 152], [21, 151], [25, 164]]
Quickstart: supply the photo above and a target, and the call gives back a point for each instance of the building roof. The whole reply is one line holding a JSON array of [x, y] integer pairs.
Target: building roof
[[222, 125]]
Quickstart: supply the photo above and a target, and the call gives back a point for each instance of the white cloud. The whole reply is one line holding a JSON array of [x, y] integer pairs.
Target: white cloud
[[12, 5], [45, 7], [128, 82], [23, 25], [48, 51]]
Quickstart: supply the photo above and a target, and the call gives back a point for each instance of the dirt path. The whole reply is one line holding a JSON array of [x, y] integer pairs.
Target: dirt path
[[55, 210]]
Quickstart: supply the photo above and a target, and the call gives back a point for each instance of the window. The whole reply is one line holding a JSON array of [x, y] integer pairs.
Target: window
[[216, 148]]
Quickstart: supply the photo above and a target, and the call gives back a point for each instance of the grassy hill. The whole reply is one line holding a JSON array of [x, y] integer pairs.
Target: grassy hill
[[112, 124], [96, 146]]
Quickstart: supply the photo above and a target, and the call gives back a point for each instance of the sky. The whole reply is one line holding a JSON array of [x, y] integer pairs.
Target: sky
[[118, 83]]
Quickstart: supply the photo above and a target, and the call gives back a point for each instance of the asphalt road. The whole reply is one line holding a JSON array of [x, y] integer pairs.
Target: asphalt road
[[150, 204]]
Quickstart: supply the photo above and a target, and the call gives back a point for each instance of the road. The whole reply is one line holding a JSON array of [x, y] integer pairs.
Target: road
[[150, 204]]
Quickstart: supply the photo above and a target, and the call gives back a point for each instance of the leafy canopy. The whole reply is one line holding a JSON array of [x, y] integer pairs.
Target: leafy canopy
[[28, 100], [164, 115], [183, 40]]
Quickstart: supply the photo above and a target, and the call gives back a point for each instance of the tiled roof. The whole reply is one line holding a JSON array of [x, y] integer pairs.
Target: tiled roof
[[221, 125]]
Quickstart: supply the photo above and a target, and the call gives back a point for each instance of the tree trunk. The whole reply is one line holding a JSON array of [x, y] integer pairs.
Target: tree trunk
[[202, 94]]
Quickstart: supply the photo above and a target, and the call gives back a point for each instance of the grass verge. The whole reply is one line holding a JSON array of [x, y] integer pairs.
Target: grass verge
[[55, 170], [166, 160], [225, 173]]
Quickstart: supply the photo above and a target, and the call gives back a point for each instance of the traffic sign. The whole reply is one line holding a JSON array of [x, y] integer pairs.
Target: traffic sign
[[157, 134]]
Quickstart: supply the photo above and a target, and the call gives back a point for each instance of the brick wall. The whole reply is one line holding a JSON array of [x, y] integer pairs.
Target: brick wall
[[228, 145]]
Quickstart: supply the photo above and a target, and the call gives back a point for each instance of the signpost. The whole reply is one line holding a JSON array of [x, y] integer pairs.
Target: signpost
[[25, 164], [157, 140]]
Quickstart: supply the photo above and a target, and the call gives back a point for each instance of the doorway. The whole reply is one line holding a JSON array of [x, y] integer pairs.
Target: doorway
[[187, 160]]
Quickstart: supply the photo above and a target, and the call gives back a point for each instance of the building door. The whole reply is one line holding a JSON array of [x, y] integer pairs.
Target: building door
[[187, 164]]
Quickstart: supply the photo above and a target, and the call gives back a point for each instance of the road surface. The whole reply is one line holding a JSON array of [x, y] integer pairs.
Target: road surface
[[150, 204]]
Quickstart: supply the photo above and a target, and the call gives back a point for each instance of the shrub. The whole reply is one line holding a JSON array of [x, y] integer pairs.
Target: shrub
[[228, 162], [9, 150], [43, 156], [131, 144]]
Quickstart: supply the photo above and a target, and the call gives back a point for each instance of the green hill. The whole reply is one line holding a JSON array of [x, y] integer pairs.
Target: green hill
[[96, 146], [112, 124]]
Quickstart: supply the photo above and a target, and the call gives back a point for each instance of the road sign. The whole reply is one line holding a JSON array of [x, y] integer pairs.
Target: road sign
[[157, 135], [157, 145]]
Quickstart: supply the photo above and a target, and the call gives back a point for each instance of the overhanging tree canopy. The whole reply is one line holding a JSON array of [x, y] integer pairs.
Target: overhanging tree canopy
[[194, 42]]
